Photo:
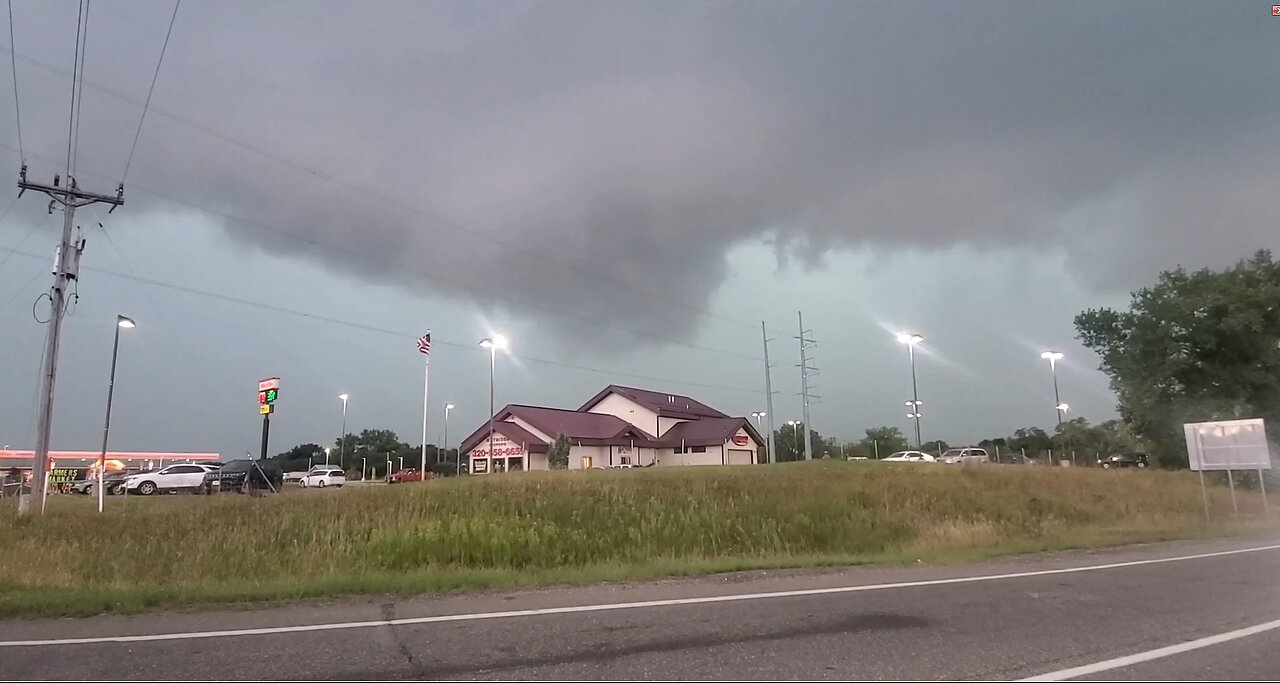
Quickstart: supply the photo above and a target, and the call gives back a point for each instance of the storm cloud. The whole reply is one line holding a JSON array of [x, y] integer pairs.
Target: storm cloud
[[599, 159]]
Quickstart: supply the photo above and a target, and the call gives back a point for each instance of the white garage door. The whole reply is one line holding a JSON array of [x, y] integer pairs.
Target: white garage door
[[737, 457]]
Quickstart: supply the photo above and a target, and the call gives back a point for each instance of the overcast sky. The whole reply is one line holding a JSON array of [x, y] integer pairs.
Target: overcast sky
[[626, 190]]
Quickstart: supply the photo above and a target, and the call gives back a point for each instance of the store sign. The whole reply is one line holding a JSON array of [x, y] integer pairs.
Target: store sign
[[63, 475], [741, 439], [479, 465], [503, 448]]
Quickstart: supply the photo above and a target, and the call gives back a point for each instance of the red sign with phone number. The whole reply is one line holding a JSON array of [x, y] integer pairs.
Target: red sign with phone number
[[501, 452]]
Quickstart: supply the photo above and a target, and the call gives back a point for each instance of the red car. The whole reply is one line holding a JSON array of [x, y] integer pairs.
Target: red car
[[407, 475]]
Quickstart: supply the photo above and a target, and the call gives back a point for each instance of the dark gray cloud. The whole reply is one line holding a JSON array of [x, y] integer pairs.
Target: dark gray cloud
[[600, 158]]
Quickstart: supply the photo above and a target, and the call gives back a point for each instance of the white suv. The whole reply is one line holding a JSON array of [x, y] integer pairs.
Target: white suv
[[183, 477], [965, 456], [321, 477]]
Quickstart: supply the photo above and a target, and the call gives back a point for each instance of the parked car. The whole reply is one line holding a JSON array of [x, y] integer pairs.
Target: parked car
[[965, 456], [113, 482], [293, 477], [232, 476], [910, 456], [405, 475], [321, 477], [1139, 460], [171, 479]]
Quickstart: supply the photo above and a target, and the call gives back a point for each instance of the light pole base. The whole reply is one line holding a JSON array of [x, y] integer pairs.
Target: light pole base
[[24, 503]]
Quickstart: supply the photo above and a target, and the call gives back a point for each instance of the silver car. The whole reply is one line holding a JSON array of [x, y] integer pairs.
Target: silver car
[[965, 456]]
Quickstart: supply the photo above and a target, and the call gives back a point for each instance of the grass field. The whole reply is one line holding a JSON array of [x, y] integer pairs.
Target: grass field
[[568, 527]]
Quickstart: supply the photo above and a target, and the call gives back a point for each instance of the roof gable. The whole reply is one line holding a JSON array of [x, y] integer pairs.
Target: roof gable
[[664, 404]]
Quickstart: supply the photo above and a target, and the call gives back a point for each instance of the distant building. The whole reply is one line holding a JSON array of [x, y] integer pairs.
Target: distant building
[[620, 426]]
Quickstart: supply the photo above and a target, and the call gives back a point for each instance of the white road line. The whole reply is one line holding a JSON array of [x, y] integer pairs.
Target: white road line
[[1130, 660], [477, 616]]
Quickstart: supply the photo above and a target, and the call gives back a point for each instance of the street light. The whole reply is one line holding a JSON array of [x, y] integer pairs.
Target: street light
[[122, 323], [1053, 357], [493, 344], [447, 408], [757, 415], [795, 434], [342, 437], [911, 339]]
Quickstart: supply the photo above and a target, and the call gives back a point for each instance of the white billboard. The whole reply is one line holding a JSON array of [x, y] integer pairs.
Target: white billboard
[[1228, 445]]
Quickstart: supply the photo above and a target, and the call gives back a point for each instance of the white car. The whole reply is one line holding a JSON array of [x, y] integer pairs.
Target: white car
[[293, 476], [910, 456], [324, 476], [182, 477]]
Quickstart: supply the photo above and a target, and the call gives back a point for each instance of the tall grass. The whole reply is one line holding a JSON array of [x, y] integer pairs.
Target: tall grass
[[524, 528]]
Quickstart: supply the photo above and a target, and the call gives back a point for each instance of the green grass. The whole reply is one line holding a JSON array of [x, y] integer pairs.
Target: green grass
[[572, 527]]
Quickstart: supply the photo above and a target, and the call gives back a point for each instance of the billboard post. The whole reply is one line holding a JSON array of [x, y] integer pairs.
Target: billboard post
[[1225, 446]]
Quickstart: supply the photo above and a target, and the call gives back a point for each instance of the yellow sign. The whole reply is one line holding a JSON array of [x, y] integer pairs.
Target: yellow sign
[[266, 409]]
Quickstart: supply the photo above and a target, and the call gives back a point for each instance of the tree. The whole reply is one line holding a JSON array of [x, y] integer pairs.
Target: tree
[[558, 455], [1030, 440], [883, 441], [1194, 346], [299, 457], [374, 445], [790, 443], [935, 448]]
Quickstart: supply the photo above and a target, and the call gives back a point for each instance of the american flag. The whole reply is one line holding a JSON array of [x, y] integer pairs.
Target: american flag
[[424, 344]]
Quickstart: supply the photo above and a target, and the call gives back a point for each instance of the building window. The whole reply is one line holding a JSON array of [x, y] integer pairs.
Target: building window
[[678, 450], [698, 449], [586, 462], [625, 460]]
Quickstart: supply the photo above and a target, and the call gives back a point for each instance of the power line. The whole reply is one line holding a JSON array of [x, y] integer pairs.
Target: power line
[[152, 89], [413, 211], [78, 101], [75, 76], [13, 65], [36, 225], [399, 334]]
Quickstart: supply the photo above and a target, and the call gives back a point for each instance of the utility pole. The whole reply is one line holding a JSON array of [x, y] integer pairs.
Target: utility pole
[[768, 394], [806, 391], [66, 268]]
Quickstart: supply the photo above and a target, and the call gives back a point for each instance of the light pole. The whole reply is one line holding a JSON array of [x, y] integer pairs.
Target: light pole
[[1053, 357], [795, 435], [342, 437], [362, 477], [447, 408], [757, 415], [122, 323], [493, 343], [326, 456], [911, 339], [401, 462]]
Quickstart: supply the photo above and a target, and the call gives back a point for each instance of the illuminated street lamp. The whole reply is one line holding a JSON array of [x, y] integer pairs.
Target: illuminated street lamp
[[911, 339], [494, 343], [1053, 357], [122, 323], [342, 437], [757, 415], [448, 407], [795, 433]]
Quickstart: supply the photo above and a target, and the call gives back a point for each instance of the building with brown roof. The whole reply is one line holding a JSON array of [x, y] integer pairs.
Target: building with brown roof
[[618, 427]]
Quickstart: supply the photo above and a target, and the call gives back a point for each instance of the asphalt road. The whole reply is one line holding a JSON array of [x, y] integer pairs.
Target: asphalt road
[[1137, 613]]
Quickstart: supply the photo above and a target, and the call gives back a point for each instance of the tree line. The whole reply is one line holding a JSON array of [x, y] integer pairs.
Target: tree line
[[372, 450]]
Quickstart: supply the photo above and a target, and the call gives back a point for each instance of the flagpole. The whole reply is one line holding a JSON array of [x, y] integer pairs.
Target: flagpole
[[426, 385]]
